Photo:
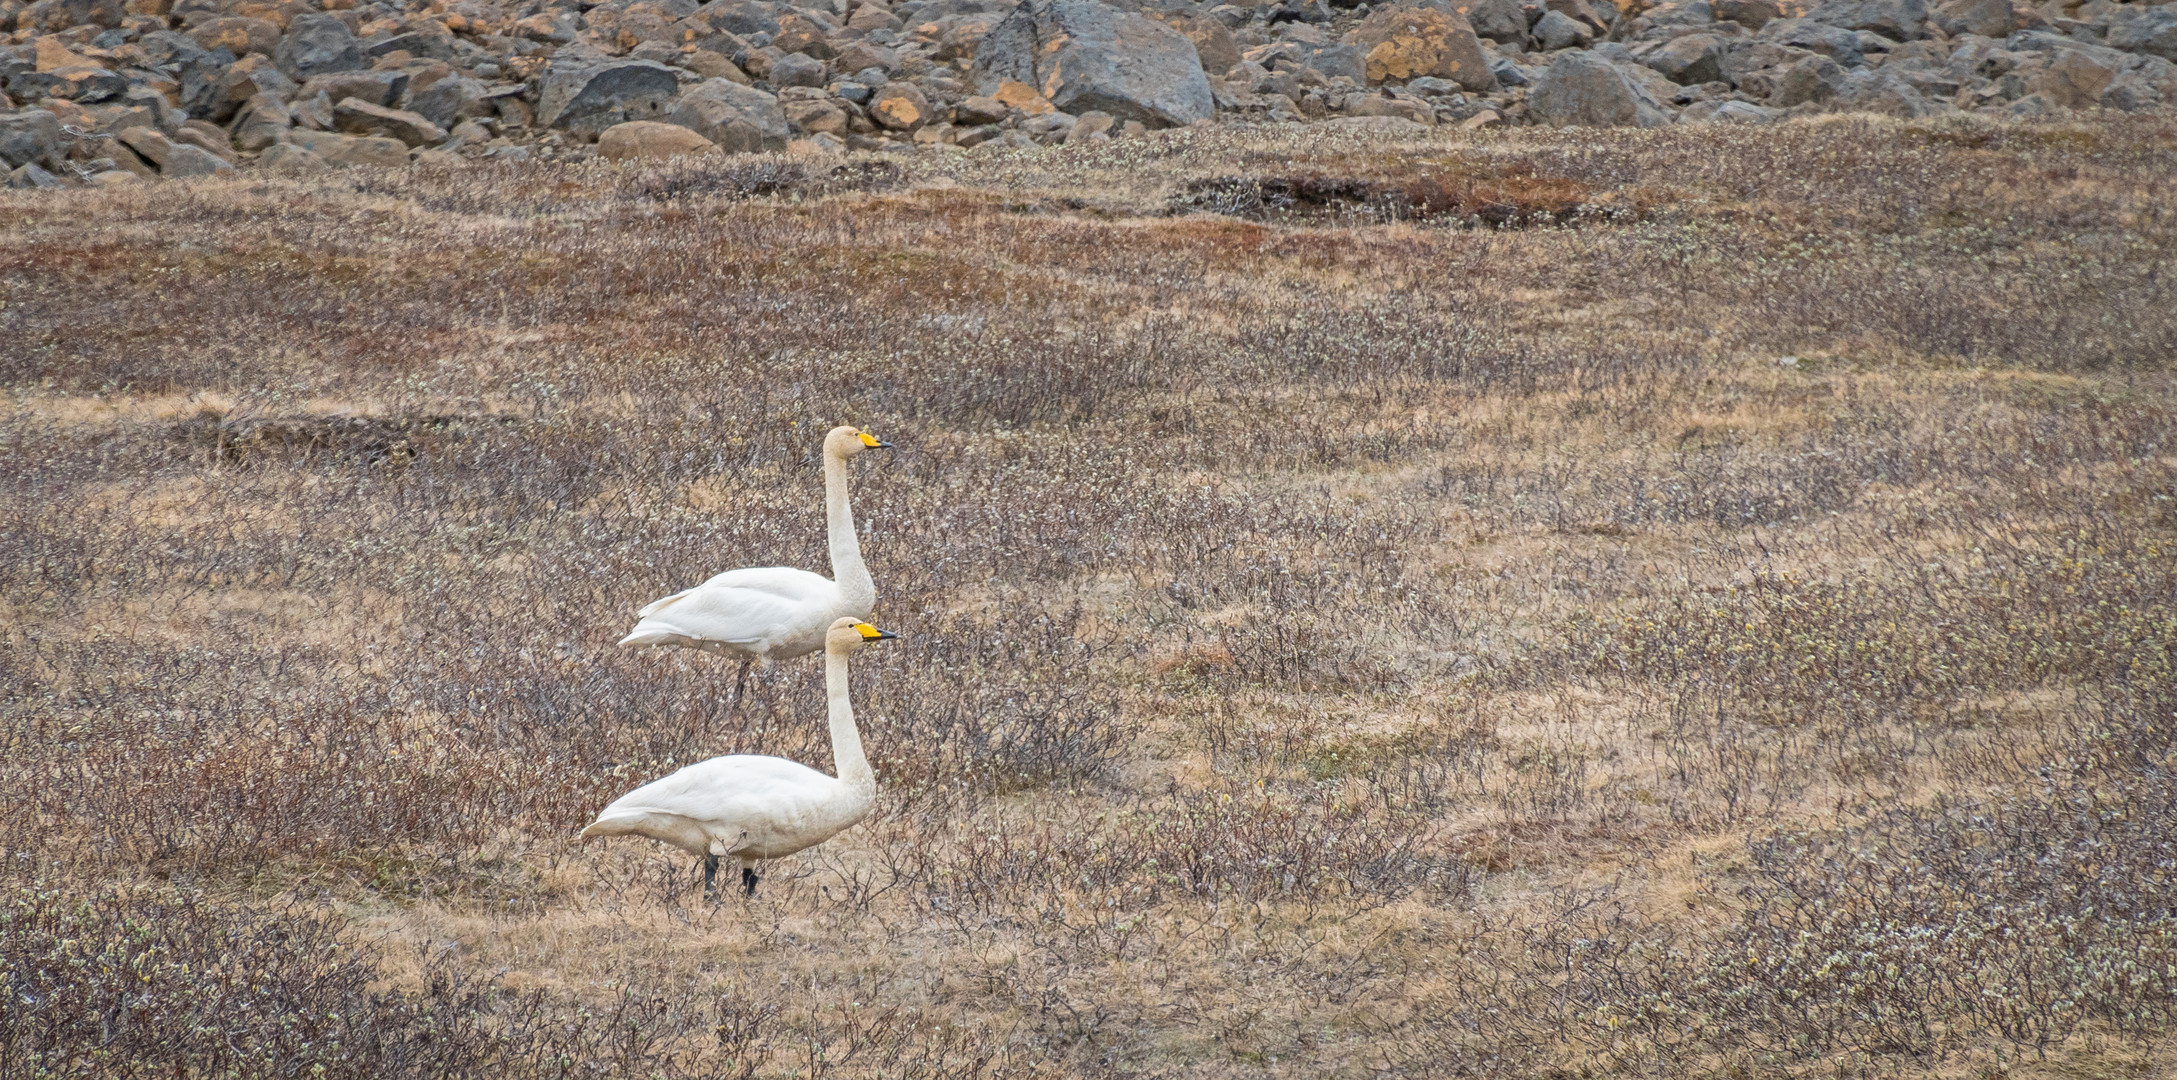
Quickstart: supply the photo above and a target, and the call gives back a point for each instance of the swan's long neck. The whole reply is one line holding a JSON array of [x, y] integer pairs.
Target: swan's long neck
[[846, 739], [855, 589]]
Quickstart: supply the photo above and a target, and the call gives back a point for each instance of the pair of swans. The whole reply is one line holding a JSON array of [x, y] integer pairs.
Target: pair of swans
[[751, 807]]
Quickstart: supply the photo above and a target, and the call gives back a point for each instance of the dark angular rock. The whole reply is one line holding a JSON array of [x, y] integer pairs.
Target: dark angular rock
[[449, 101], [1898, 20], [318, 45], [1834, 42], [30, 136], [1689, 60], [589, 97]]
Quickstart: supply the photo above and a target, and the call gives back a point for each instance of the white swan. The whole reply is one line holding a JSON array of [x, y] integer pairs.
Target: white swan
[[751, 807], [768, 613]]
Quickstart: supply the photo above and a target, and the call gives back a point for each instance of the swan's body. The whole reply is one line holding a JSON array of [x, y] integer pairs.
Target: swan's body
[[759, 613], [772, 613], [751, 807]]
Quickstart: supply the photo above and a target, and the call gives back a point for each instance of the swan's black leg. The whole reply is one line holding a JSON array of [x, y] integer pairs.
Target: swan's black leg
[[748, 879], [739, 685], [710, 877]]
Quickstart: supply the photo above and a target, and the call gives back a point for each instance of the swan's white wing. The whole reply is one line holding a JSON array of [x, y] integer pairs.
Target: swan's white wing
[[755, 609]]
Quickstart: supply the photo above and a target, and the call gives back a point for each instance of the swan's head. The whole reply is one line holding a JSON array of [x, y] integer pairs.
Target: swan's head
[[847, 635], [846, 440]]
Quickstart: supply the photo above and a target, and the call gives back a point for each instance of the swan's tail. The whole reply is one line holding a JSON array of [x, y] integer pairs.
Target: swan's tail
[[615, 823], [660, 604], [648, 636]]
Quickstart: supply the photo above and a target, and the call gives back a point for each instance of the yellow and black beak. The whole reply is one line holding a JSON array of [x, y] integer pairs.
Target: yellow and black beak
[[871, 633], [874, 443]]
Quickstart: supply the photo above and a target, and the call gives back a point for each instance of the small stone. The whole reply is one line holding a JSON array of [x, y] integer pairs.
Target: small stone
[[2075, 81], [899, 107], [289, 159], [1557, 30], [800, 34], [52, 55], [646, 140], [1486, 118], [1987, 18], [1091, 126], [815, 115], [1688, 60], [313, 113], [339, 149], [207, 138], [1020, 95], [376, 87], [1898, 20], [355, 116], [870, 17], [1751, 14], [820, 145], [863, 55], [974, 111], [1379, 105], [712, 65], [29, 175], [239, 36], [1214, 45], [796, 69], [1049, 128]]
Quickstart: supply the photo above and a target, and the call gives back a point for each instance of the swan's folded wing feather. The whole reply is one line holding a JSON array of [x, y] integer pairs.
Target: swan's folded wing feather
[[660, 604], [784, 582], [742, 608]]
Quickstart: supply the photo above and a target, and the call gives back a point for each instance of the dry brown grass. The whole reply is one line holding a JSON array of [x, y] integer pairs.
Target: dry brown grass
[[1386, 636]]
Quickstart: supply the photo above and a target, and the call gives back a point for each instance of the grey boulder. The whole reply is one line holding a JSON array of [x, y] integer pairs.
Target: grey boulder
[[31, 176], [1882, 91], [1985, 18], [1500, 21], [739, 119], [1834, 42], [354, 116], [316, 45], [1082, 55], [1557, 30], [1689, 60], [450, 100], [797, 69], [28, 137], [1581, 89], [2153, 31], [1898, 20]]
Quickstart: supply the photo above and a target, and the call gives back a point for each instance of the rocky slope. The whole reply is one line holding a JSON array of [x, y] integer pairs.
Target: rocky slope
[[118, 91]]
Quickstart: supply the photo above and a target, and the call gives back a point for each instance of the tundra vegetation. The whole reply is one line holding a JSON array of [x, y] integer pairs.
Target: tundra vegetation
[[1691, 602]]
